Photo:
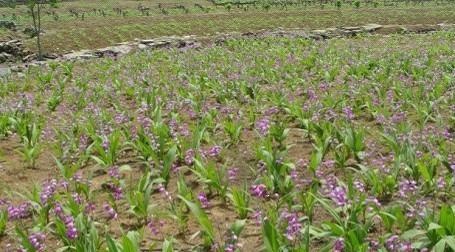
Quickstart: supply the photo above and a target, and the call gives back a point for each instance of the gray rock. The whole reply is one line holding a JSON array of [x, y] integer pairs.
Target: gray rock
[[371, 27], [320, 33], [4, 57], [351, 28], [17, 69], [113, 51], [350, 32], [160, 44], [85, 54], [142, 46], [147, 41], [29, 58], [4, 70]]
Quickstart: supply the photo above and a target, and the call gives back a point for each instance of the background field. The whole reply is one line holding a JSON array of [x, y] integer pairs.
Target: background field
[[80, 25]]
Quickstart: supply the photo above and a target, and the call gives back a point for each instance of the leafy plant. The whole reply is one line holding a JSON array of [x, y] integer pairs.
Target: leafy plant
[[214, 178], [3, 222], [233, 130], [205, 223], [107, 149], [240, 199], [437, 232], [30, 144], [128, 243], [139, 198]]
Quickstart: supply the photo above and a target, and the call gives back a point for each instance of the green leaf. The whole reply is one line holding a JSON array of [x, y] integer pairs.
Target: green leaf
[[238, 226], [412, 234], [440, 246], [167, 246], [447, 219], [111, 245], [434, 226], [329, 209], [201, 217], [128, 245], [450, 240], [270, 235], [424, 172]]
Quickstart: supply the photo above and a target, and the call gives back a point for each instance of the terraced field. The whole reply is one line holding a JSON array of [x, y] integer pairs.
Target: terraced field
[[78, 25]]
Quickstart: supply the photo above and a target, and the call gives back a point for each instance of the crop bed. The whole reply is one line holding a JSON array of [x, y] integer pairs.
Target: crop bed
[[276, 144]]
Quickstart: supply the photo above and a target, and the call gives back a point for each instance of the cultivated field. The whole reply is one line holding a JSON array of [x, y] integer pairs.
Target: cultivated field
[[274, 144], [343, 145]]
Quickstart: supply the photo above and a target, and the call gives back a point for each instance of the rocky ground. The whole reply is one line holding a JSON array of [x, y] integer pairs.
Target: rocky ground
[[14, 53]]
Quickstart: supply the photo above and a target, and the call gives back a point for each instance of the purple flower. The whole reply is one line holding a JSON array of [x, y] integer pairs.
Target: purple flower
[[173, 127], [398, 117], [48, 191], [348, 113], [37, 241], [329, 163], [406, 247], [58, 210], [233, 173], [374, 201], [164, 192], [271, 111], [294, 174], [189, 157], [232, 243], [373, 245], [77, 198], [71, 231], [441, 183], [184, 130], [77, 177], [293, 225], [393, 243], [83, 142], [359, 186], [263, 126], [261, 166], [257, 216], [114, 173], [312, 95], [116, 190], [259, 191], [339, 245], [105, 144], [21, 211], [407, 187], [110, 211], [90, 208], [214, 151], [203, 199], [390, 96], [154, 228], [64, 184], [338, 195], [120, 118], [380, 119]]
